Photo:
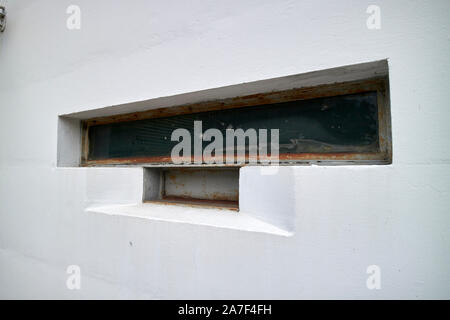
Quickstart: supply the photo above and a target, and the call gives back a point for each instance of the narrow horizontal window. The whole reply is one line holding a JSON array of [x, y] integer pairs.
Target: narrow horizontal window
[[332, 123]]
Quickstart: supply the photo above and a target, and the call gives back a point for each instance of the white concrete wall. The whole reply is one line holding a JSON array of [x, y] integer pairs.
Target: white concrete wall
[[346, 218]]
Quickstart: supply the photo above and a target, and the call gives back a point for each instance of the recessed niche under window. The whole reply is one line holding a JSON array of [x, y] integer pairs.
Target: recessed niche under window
[[210, 187]]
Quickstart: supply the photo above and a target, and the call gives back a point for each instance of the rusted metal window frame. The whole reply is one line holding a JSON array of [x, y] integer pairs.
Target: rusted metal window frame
[[217, 201], [378, 84]]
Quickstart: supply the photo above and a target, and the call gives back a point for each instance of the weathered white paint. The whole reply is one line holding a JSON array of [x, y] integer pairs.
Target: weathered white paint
[[348, 73], [344, 218]]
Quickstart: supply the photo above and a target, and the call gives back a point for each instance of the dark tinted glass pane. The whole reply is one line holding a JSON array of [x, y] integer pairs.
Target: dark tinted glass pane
[[347, 123]]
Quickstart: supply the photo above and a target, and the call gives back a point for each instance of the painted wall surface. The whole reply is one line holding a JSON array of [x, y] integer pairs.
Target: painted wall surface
[[344, 218]]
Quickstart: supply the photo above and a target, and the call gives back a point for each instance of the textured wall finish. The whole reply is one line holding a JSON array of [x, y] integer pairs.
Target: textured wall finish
[[337, 220]]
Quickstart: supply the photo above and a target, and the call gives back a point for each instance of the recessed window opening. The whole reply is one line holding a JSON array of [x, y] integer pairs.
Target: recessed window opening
[[209, 187], [333, 123], [344, 123]]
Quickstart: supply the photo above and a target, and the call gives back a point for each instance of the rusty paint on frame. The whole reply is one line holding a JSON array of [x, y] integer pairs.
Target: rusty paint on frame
[[320, 91], [206, 203], [284, 159], [380, 85], [175, 177]]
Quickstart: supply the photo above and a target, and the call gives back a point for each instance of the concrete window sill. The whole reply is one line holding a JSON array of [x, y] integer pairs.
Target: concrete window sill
[[218, 218]]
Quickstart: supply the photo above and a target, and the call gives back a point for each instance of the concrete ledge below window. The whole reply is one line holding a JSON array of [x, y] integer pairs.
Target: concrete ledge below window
[[218, 218]]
